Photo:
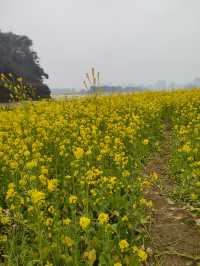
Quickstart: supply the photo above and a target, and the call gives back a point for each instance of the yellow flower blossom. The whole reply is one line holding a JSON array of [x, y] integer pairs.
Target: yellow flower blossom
[[44, 170], [78, 153], [125, 173], [67, 241], [27, 153], [123, 245], [11, 191], [3, 238], [52, 184], [49, 222], [72, 199], [30, 165], [125, 218], [36, 196], [103, 218], [145, 141], [141, 253], [194, 196], [90, 256], [84, 222], [66, 221]]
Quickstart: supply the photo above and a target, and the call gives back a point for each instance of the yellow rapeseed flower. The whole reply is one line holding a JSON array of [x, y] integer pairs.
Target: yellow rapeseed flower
[[36, 196], [145, 141], [49, 222], [125, 173], [142, 254], [27, 153], [68, 241], [90, 256], [125, 218], [30, 165], [78, 153], [103, 218], [72, 199], [44, 170], [84, 222], [52, 184], [3, 238], [11, 191], [123, 245], [194, 196], [66, 221]]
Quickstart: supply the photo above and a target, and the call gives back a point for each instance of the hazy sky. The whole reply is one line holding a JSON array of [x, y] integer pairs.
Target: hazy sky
[[128, 41]]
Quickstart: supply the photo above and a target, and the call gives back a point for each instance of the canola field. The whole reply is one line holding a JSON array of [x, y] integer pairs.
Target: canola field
[[72, 189]]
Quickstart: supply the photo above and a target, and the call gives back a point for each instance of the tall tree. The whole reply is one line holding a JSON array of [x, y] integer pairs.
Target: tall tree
[[17, 57]]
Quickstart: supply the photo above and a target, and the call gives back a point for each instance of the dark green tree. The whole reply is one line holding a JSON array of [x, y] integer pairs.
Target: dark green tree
[[18, 58]]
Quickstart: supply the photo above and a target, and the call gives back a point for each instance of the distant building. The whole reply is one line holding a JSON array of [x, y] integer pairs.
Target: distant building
[[161, 84], [196, 82]]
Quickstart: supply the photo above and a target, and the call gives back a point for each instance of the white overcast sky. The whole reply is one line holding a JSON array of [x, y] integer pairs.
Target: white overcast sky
[[128, 41]]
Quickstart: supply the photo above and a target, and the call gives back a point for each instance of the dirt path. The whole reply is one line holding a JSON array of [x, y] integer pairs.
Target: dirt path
[[175, 237]]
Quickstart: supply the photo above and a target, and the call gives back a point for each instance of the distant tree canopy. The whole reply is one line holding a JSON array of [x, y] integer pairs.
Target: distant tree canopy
[[18, 58]]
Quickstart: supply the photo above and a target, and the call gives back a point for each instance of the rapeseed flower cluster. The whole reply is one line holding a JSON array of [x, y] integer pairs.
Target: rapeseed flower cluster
[[103, 218], [71, 182], [185, 162]]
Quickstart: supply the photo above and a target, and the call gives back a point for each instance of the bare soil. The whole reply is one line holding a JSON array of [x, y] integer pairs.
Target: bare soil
[[175, 236]]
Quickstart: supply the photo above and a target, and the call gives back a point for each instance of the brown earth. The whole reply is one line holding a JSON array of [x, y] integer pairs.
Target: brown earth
[[175, 236]]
